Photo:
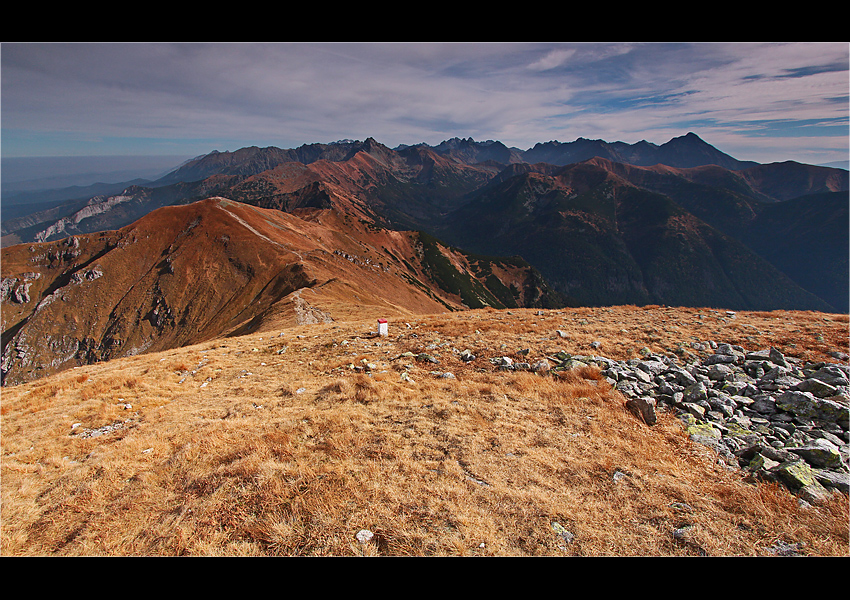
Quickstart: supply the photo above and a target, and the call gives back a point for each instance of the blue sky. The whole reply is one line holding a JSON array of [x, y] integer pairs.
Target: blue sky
[[765, 102]]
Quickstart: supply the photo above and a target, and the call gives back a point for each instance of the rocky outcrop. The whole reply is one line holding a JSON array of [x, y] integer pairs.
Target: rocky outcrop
[[777, 417], [16, 289], [96, 206]]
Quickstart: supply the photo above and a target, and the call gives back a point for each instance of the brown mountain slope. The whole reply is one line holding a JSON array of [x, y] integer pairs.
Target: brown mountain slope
[[186, 274], [790, 179], [410, 189]]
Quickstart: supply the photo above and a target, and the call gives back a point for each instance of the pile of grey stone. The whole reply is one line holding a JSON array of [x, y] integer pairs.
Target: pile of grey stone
[[778, 417]]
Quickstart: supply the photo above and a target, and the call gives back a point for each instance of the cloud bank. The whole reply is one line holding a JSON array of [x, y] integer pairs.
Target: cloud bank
[[764, 102]]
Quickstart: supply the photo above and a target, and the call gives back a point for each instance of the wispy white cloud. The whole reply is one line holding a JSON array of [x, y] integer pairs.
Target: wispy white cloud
[[552, 59]]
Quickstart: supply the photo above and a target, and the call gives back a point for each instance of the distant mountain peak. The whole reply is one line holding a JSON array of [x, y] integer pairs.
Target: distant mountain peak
[[689, 137]]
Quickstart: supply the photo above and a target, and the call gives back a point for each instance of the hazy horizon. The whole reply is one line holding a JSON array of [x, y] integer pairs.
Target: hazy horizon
[[39, 173]]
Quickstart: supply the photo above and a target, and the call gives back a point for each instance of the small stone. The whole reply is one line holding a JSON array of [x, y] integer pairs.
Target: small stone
[[782, 548], [643, 408], [642, 375], [720, 372], [559, 529], [777, 358], [364, 535], [540, 366]]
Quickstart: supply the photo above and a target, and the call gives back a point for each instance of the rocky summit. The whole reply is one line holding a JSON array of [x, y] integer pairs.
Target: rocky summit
[[782, 418]]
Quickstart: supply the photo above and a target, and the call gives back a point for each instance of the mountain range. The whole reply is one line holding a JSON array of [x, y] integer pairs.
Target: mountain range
[[243, 241]]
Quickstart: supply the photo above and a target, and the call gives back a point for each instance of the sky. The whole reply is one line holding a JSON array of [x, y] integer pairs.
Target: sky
[[766, 102]]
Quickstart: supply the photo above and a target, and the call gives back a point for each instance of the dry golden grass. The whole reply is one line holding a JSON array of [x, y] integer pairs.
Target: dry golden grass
[[275, 444]]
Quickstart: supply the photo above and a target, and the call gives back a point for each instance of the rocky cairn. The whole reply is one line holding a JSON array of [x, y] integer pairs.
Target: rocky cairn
[[777, 417]]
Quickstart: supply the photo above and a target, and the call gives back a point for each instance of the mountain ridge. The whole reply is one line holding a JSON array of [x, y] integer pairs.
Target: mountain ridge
[[215, 268]]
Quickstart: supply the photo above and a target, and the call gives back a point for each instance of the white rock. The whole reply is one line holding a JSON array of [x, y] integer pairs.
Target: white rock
[[364, 535]]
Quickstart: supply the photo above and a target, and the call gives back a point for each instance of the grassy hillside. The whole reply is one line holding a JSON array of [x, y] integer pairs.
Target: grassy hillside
[[297, 441]]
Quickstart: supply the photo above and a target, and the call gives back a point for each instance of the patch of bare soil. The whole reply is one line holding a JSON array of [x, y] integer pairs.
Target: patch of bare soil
[[326, 439]]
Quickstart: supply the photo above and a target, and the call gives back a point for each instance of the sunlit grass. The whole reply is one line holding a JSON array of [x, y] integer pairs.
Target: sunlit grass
[[235, 448]]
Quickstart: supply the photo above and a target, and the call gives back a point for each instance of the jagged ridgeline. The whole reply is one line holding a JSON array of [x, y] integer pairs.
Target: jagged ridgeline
[[230, 241]]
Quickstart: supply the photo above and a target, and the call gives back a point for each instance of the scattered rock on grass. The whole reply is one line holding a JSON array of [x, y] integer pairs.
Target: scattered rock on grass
[[778, 417]]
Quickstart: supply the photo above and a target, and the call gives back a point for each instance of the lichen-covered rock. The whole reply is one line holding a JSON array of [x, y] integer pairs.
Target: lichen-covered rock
[[759, 462], [795, 473], [695, 393], [704, 430], [425, 357], [819, 455], [800, 477], [819, 388]]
